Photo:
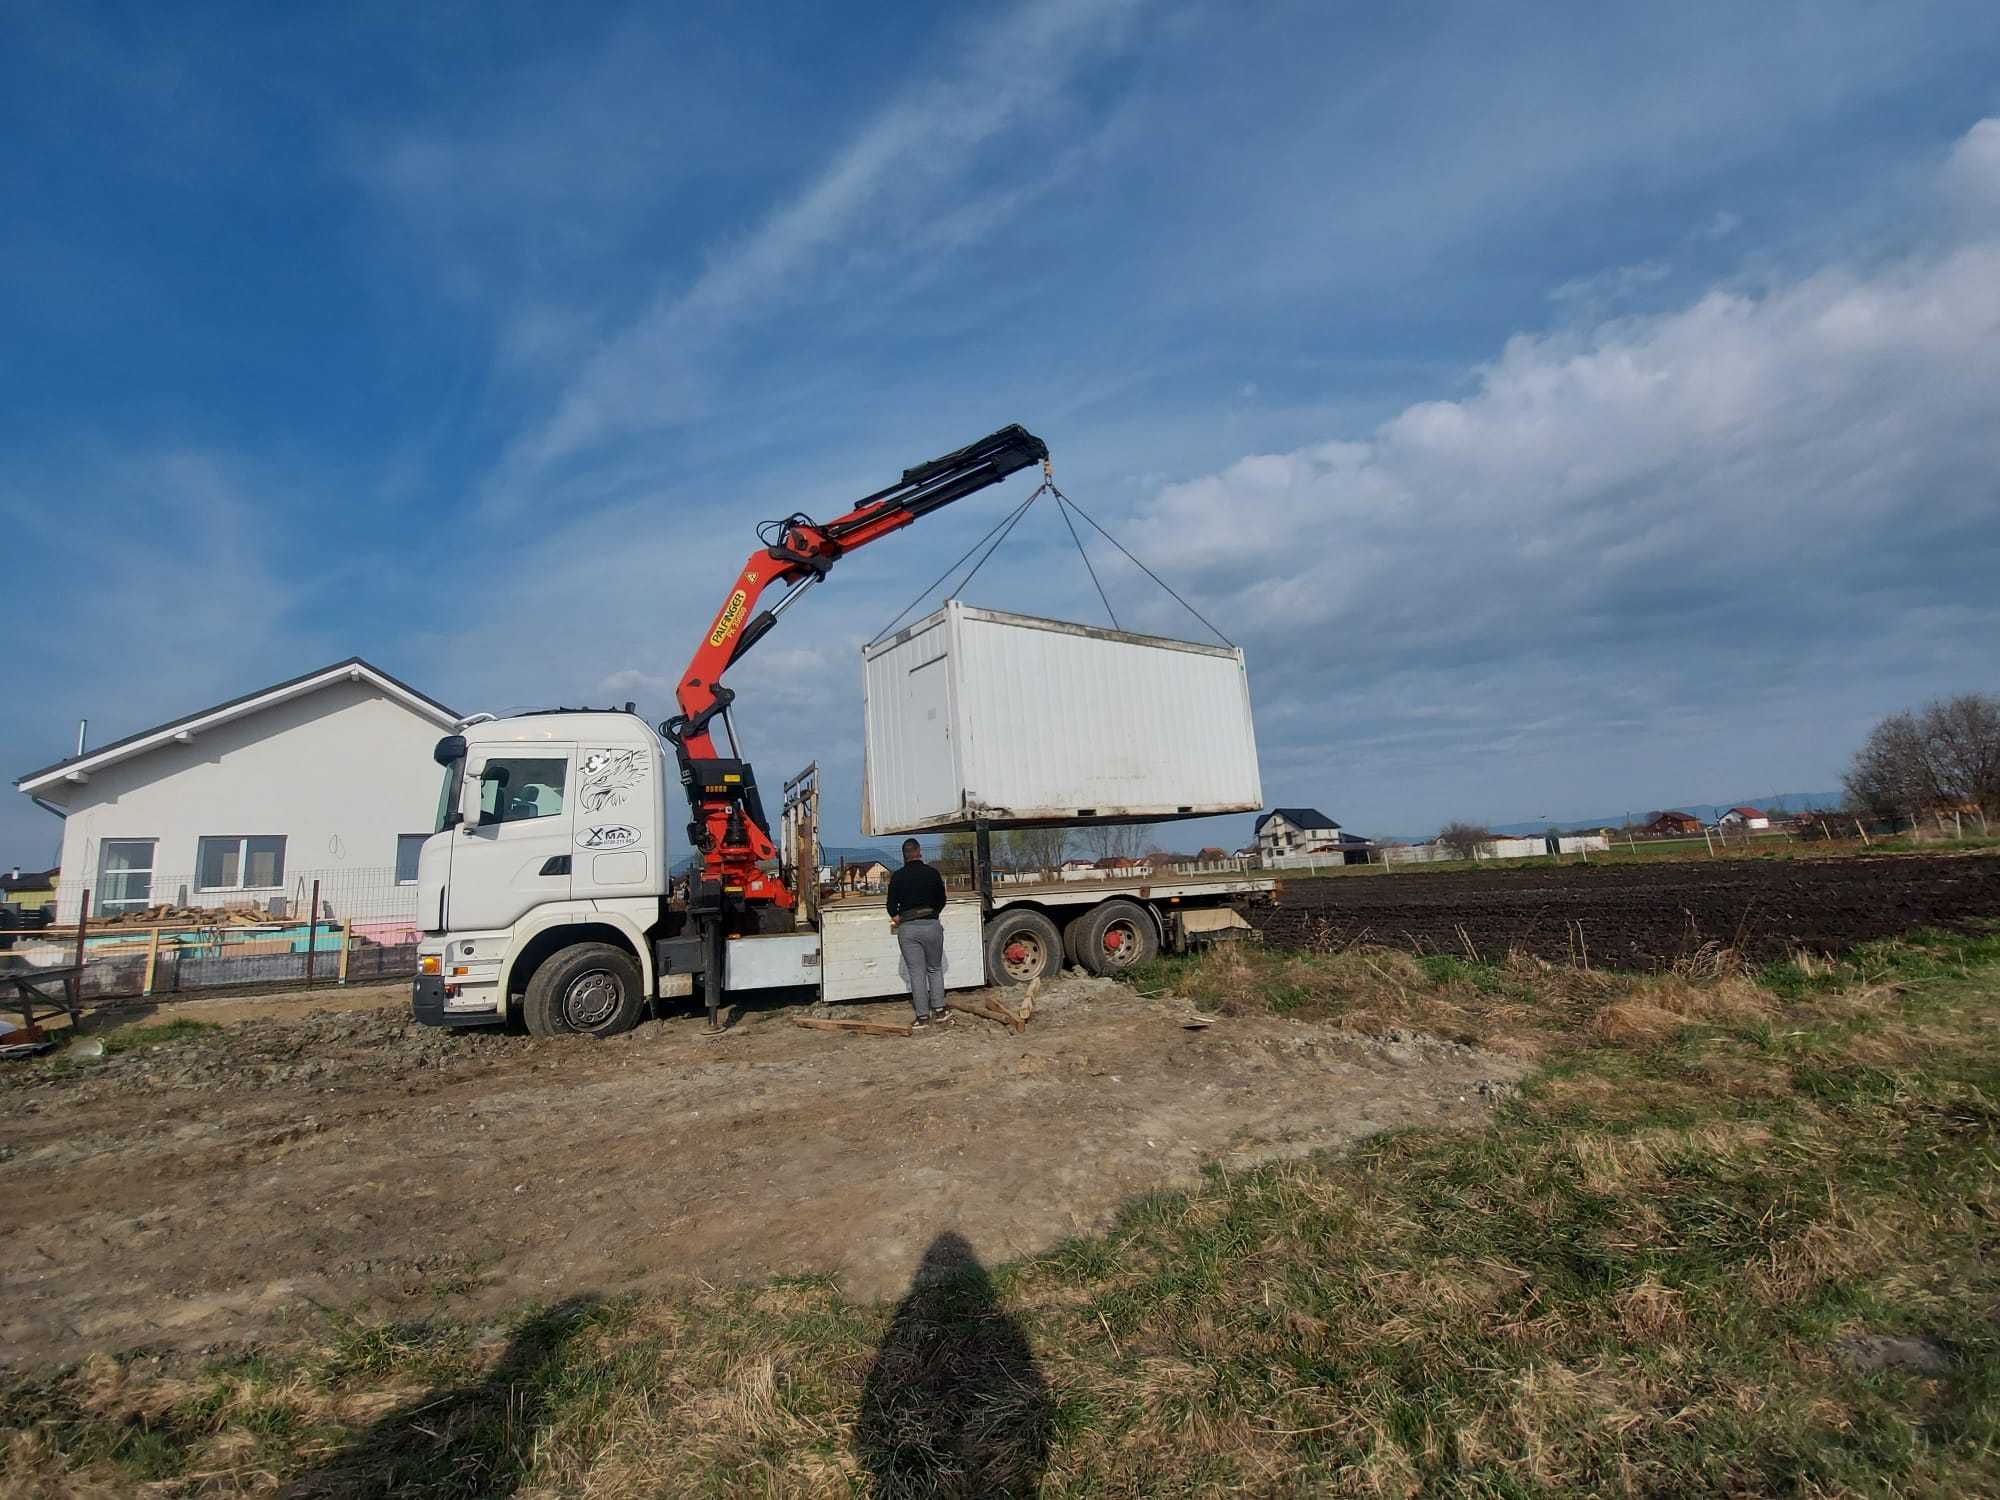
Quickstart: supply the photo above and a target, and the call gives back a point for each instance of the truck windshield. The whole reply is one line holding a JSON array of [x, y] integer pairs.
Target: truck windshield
[[448, 793]]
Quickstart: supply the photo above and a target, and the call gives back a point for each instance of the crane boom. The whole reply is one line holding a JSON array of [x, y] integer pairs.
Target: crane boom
[[727, 826]]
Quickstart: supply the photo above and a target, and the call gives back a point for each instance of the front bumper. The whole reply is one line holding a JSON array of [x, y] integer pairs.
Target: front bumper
[[427, 1006]]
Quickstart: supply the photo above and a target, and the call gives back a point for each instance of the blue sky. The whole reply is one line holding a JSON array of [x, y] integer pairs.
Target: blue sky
[[1567, 411]]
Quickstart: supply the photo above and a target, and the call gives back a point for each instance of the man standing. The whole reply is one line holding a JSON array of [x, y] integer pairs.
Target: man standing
[[916, 905]]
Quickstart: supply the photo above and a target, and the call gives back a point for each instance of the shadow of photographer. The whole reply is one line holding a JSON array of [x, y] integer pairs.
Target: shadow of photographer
[[954, 1403]]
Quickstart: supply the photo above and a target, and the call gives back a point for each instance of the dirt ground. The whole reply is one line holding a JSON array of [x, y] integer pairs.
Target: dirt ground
[[200, 1191]]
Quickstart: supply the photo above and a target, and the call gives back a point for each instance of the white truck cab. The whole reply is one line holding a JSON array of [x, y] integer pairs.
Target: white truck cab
[[551, 834]]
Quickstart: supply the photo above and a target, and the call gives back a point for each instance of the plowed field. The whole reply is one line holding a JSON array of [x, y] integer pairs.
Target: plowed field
[[1638, 916]]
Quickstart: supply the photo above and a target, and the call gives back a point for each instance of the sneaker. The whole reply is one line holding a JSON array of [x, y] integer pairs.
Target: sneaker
[[941, 1017], [919, 1023]]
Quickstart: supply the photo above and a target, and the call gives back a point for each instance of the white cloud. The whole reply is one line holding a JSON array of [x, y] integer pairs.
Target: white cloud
[[1972, 172], [893, 192], [1791, 481], [1615, 285]]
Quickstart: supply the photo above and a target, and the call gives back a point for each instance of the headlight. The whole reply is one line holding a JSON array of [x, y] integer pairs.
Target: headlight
[[430, 963]]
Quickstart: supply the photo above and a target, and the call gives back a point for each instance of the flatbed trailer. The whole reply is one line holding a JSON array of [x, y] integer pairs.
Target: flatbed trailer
[[1020, 933]]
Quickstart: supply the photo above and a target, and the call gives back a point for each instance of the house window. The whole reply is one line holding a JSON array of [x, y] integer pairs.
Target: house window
[[124, 875], [515, 788], [239, 862], [409, 848]]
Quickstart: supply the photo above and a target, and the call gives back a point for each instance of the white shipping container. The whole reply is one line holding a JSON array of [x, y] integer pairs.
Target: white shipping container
[[974, 713]]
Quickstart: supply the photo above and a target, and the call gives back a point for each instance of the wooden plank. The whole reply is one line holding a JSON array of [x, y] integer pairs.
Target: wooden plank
[[989, 1010], [863, 1028], [966, 1008]]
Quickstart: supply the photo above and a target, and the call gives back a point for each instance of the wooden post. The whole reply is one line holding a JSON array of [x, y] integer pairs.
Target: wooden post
[[1864, 834], [346, 946], [1708, 841], [312, 932], [75, 981], [152, 961], [1957, 824]]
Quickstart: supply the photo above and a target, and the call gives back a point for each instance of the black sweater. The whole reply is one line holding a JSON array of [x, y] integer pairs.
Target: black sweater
[[916, 887]]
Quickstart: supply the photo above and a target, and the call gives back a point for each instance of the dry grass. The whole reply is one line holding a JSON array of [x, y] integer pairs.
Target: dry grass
[[1636, 1282], [1525, 1007]]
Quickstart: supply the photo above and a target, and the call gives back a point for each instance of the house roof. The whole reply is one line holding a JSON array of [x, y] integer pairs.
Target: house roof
[[1672, 816], [1298, 817], [354, 669], [27, 880], [1746, 812]]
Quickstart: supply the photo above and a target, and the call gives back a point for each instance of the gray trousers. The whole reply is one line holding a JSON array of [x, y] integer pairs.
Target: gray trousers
[[922, 942]]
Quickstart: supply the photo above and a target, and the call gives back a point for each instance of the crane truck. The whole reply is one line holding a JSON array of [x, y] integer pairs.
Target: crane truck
[[546, 895]]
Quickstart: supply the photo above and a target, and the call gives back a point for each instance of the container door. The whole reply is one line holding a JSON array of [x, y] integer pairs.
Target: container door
[[513, 851], [925, 707]]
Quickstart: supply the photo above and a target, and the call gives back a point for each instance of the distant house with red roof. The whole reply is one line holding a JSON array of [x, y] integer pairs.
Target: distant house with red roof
[[1743, 817], [1671, 823]]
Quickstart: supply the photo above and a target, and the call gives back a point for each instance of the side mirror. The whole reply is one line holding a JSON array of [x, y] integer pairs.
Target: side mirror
[[449, 749]]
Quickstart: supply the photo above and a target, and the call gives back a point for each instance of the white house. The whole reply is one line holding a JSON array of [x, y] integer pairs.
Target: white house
[[328, 776], [1743, 817], [1295, 830]]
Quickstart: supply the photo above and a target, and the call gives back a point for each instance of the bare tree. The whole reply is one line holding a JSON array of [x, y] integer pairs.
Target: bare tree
[[1464, 839], [1112, 840], [1036, 848], [1947, 755], [1964, 738]]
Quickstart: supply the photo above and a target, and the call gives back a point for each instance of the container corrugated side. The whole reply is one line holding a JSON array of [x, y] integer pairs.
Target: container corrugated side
[[1039, 720]]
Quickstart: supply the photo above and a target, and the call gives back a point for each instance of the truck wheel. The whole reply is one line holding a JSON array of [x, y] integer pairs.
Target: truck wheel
[[1022, 946], [1116, 936], [592, 989], [1071, 932]]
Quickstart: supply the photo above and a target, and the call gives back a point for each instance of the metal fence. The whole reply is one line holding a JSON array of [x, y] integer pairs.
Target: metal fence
[[339, 925]]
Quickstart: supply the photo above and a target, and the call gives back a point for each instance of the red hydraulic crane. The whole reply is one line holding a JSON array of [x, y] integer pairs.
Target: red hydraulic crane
[[727, 825]]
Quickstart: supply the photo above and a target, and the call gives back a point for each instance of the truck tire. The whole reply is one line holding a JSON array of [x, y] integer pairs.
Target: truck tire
[[1115, 937], [1072, 930], [592, 989], [1022, 946]]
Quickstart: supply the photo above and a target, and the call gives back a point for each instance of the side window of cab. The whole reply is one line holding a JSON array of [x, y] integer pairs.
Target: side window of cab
[[516, 788]]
